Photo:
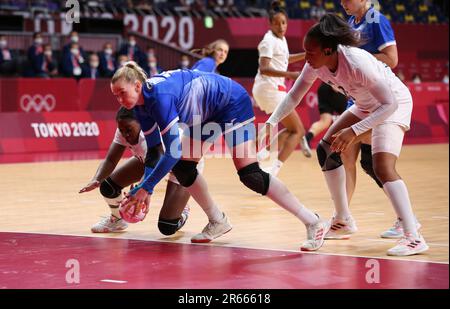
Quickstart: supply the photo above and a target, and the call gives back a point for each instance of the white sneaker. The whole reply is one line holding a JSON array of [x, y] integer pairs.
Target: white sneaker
[[409, 245], [341, 229], [315, 236], [184, 217], [306, 149], [213, 230], [396, 231], [109, 224]]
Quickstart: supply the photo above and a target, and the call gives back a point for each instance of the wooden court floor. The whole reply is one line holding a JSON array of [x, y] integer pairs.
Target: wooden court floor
[[43, 198]]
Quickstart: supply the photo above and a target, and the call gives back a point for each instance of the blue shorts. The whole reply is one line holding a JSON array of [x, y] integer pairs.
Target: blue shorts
[[350, 103], [235, 120]]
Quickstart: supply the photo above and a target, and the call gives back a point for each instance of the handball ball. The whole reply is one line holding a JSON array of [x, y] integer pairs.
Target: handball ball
[[128, 215]]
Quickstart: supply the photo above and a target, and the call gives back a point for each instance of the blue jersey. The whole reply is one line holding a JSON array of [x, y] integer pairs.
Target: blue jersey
[[192, 98], [376, 32], [207, 64]]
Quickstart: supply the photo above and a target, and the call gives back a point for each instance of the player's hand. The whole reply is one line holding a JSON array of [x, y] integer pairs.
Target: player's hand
[[141, 200], [93, 184], [342, 139]]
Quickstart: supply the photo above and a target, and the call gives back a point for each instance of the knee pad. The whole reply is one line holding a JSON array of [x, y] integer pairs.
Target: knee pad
[[111, 192], [168, 227], [186, 172], [328, 160], [366, 163], [254, 178]]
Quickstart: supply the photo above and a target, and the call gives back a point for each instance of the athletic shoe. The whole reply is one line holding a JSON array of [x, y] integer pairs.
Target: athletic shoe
[[315, 236], [306, 149], [409, 245], [213, 230], [109, 224], [396, 231], [341, 229], [184, 217]]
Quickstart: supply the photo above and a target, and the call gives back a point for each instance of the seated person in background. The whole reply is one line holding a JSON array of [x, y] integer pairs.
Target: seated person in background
[[151, 67], [92, 71], [416, 79], [131, 50], [184, 62], [74, 38], [46, 65], [35, 54], [73, 62], [108, 64], [7, 58], [122, 59]]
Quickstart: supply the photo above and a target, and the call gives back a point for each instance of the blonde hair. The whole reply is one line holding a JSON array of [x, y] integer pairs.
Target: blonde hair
[[209, 49], [131, 72]]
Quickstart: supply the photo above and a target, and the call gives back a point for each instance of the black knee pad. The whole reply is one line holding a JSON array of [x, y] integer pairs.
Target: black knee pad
[[109, 189], [169, 227], [367, 164], [185, 172], [254, 178], [328, 160]]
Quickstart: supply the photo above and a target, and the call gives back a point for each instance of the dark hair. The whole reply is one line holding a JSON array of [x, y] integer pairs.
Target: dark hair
[[124, 114], [331, 31], [275, 8]]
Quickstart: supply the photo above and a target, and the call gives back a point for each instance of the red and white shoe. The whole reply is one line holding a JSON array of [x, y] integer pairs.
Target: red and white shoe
[[409, 245], [341, 229], [213, 230], [315, 236], [109, 224]]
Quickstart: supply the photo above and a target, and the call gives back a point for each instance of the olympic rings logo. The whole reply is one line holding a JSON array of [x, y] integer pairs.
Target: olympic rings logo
[[37, 102]]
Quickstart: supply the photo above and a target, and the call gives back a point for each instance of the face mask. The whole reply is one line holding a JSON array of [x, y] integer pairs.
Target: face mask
[[185, 63], [108, 51], [74, 39], [93, 64], [48, 53], [3, 44], [122, 63], [132, 43], [38, 41], [74, 51], [152, 64]]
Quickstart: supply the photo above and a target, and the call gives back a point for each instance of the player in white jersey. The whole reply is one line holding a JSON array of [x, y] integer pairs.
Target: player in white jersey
[[382, 103], [269, 88], [112, 179]]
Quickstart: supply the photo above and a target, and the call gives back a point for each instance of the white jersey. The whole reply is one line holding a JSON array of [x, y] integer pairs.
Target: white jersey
[[376, 90], [277, 50], [139, 150]]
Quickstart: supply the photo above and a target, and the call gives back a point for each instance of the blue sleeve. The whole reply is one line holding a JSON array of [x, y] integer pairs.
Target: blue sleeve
[[206, 64], [172, 144], [382, 33]]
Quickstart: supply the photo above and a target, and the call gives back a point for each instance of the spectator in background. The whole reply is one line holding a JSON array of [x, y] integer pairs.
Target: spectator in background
[[416, 79], [108, 64], [184, 62], [401, 76], [131, 50], [122, 59], [73, 62], [46, 66], [152, 68], [317, 10], [35, 55], [92, 71], [7, 58], [445, 78], [74, 38]]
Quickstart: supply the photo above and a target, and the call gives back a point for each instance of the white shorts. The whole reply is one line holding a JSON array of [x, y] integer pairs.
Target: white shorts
[[200, 168], [388, 137], [267, 99]]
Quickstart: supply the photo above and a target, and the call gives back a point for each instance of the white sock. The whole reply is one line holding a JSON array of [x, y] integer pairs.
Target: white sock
[[398, 194], [336, 185], [115, 211], [199, 191], [280, 194], [276, 166]]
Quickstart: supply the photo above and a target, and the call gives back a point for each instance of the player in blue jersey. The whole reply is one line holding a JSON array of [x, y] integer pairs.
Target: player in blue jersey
[[201, 101], [214, 54], [111, 179]]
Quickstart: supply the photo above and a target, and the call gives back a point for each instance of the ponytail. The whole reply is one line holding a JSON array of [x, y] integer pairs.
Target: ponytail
[[131, 72], [208, 50], [332, 31]]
